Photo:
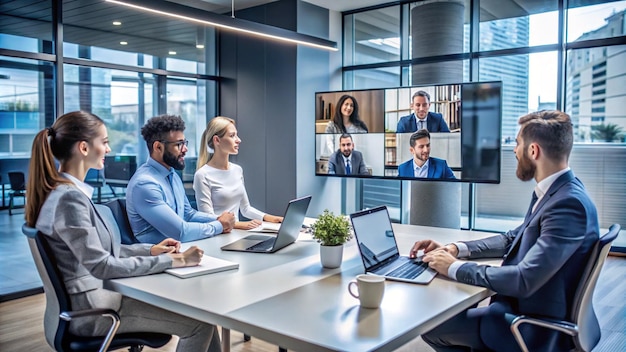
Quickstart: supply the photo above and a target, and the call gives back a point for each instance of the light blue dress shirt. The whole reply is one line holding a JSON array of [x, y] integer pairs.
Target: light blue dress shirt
[[157, 210], [420, 172]]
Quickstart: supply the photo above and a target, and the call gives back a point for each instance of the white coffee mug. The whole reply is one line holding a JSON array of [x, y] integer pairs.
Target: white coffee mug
[[370, 290]]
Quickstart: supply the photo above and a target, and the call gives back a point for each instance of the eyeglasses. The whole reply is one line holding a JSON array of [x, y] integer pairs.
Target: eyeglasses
[[178, 144]]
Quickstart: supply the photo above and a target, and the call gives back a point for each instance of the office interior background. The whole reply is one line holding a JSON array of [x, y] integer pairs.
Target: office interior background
[[127, 65]]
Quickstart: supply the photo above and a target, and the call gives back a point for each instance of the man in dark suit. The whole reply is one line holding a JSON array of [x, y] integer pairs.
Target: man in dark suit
[[346, 160], [543, 258], [421, 118], [422, 165]]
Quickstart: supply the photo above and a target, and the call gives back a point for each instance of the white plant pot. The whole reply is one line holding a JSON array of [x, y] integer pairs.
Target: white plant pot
[[331, 256]]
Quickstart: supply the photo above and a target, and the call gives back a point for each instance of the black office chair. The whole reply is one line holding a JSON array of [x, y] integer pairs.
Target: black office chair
[[582, 323], [18, 187], [57, 331], [118, 208]]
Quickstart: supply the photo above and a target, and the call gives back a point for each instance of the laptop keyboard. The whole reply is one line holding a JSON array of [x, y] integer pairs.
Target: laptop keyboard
[[263, 245], [409, 270]]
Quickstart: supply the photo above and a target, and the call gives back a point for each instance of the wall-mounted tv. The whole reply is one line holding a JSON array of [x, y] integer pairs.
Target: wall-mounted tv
[[439, 132]]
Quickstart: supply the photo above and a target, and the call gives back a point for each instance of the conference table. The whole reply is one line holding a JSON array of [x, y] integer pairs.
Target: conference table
[[288, 299]]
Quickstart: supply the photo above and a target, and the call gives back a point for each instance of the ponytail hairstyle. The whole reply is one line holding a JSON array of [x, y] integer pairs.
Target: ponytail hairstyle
[[218, 126], [56, 142]]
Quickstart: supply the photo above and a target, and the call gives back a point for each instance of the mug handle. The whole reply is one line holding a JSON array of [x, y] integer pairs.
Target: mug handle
[[353, 284]]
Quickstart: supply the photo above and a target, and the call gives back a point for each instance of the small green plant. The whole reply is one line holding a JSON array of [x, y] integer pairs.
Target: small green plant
[[331, 230]]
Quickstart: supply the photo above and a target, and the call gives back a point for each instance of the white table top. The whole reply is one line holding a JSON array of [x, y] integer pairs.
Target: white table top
[[288, 298]]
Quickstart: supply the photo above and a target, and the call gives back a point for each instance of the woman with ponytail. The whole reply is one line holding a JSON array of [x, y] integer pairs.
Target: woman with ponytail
[[218, 183], [59, 205]]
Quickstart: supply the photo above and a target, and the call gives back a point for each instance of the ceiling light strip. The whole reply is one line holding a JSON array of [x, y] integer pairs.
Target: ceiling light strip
[[237, 26]]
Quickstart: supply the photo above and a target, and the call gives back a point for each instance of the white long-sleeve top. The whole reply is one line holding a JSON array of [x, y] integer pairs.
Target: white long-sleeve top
[[218, 191]]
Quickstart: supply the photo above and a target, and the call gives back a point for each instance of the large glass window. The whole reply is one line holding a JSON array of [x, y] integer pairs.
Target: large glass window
[[504, 27], [605, 20], [596, 93], [26, 26], [123, 99], [25, 100], [373, 78], [372, 36]]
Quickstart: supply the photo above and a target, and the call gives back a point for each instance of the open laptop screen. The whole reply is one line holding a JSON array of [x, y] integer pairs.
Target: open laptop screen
[[373, 232]]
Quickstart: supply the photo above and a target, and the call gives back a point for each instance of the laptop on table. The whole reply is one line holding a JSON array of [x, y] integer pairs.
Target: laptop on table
[[379, 250], [287, 233]]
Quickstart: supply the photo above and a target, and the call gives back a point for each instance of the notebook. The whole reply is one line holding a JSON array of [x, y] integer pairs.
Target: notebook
[[379, 250], [208, 265], [266, 227], [287, 233]]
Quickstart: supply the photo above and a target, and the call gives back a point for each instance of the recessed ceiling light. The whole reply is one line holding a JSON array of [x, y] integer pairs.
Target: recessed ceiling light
[[117, 23], [124, 43], [172, 53], [200, 46]]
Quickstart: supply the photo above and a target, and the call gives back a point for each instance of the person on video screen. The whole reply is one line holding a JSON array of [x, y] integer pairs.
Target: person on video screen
[[421, 118], [346, 160], [422, 165], [346, 118]]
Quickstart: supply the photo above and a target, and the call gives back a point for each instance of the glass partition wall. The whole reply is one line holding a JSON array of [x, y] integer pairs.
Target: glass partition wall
[[547, 55], [124, 66]]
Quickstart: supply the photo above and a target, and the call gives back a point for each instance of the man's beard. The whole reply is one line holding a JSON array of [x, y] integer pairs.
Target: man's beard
[[525, 168], [172, 160]]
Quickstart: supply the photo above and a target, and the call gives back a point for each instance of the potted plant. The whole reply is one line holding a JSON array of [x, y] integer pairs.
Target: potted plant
[[331, 231]]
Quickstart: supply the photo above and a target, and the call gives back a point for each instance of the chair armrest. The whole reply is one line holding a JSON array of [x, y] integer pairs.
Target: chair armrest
[[563, 326], [68, 316]]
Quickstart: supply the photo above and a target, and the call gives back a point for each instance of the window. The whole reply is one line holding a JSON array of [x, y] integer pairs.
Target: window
[[372, 36], [26, 104]]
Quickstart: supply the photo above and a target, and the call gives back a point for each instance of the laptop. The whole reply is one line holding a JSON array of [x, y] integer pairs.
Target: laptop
[[287, 233], [379, 250]]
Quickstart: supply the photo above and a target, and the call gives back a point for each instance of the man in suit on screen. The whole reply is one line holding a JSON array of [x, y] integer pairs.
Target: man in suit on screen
[[346, 160], [422, 165], [421, 118], [543, 259]]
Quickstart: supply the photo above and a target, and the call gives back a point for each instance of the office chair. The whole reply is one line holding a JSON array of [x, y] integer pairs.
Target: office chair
[[18, 187], [118, 209], [57, 331], [582, 324]]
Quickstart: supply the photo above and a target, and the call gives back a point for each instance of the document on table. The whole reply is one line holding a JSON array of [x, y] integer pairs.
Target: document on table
[[267, 227], [208, 265]]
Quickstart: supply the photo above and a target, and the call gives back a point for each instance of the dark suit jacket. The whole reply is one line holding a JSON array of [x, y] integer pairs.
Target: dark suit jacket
[[437, 168], [337, 166], [434, 123], [543, 260]]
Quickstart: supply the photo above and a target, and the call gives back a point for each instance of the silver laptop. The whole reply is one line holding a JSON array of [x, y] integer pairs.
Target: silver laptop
[[379, 251], [287, 233]]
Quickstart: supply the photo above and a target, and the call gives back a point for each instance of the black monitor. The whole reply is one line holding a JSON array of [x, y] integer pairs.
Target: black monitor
[[469, 143], [118, 169]]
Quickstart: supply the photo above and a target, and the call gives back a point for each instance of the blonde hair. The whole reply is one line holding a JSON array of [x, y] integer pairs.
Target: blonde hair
[[218, 126]]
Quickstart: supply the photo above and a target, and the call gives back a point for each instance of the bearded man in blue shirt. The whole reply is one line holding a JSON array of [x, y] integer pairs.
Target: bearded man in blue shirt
[[156, 202]]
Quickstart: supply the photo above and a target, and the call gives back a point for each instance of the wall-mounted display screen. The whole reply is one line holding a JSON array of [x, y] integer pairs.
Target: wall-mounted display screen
[[447, 132]]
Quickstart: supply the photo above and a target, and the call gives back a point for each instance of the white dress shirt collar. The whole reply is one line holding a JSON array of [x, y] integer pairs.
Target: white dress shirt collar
[[85, 188]]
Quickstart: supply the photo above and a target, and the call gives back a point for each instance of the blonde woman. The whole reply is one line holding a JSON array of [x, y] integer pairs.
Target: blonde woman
[[218, 183]]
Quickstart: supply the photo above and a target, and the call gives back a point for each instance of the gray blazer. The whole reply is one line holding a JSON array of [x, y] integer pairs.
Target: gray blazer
[[88, 251]]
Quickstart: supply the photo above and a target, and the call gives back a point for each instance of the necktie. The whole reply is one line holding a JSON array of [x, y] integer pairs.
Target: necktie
[[420, 125], [348, 168], [170, 178], [532, 204]]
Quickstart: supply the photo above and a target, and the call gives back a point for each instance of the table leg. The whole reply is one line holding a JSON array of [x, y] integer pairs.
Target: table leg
[[225, 340]]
